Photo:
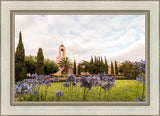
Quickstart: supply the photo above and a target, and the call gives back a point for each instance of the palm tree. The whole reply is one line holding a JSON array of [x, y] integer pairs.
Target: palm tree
[[65, 63]]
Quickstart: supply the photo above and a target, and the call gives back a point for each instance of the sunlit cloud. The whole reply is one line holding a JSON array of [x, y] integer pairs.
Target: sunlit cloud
[[118, 37]]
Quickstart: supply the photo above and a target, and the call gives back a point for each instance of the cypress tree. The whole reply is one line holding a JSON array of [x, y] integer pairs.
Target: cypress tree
[[79, 69], [112, 70], [102, 61], [40, 62], [106, 66], [116, 68], [74, 67], [91, 61], [20, 70]]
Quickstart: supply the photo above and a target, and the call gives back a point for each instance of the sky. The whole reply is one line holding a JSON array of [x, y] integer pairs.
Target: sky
[[118, 37]]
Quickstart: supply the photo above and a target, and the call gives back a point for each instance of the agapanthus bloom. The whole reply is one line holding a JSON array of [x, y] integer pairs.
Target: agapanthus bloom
[[34, 75], [25, 88], [34, 92], [56, 79], [140, 79], [40, 79], [59, 94], [140, 99], [102, 76], [141, 65], [84, 82], [17, 89], [107, 85], [47, 83], [66, 84], [47, 77], [71, 78]]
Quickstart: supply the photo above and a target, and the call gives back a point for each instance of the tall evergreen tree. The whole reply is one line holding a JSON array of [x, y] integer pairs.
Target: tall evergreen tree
[[91, 61], [106, 65], [101, 60], [91, 66], [79, 69], [74, 67], [20, 70], [40, 62], [112, 70], [116, 68], [95, 60]]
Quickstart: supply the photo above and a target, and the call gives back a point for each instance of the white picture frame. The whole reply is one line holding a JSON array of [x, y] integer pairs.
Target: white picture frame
[[8, 6]]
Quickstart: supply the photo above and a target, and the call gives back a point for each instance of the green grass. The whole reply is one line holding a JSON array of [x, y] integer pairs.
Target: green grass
[[124, 90]]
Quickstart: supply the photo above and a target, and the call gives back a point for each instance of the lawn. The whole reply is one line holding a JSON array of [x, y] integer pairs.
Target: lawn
[[123, 90]]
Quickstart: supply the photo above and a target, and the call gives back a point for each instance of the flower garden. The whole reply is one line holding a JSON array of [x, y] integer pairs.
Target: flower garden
[[98, 87]]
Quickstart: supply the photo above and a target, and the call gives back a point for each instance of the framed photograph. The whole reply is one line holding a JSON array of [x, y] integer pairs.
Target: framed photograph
[[80, 58]]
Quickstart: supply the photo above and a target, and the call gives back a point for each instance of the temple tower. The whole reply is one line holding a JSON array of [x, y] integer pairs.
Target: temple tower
[[62, 53]]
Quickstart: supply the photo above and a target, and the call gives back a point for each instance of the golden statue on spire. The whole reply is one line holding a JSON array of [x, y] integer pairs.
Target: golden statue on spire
[[61, 42]]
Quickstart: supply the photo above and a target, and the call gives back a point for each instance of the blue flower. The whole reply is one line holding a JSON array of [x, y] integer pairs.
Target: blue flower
[[34, 75], [105, 86], [66, 84], [59, 94], [102, 76], [85, 82], [47, 77], [47, 83], [40, 78], [141, 65], [139, 99], [71, 78], [18, 90], [140, 79]]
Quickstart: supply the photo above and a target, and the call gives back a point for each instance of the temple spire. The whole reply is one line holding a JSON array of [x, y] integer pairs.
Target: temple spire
[[61, 42]]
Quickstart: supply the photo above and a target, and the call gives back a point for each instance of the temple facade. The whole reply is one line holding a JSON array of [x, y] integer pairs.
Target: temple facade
[[61, 55]]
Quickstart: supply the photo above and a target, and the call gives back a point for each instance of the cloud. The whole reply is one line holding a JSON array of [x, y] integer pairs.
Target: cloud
[[83, 35]]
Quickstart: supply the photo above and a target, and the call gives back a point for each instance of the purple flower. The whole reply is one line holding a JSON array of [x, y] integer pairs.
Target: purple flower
[[107, 85], [141, 65], [102, 76], [40, 79], [47, 77], [140, 79], [139, 99], [34, 75], [59, 94], [71, 78], [85, 82], [47, 83], [66, 84]]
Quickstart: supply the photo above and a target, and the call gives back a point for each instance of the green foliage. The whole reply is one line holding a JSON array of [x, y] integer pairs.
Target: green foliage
[[106, 66], [84, 66], [96, 65], [74, 67], [20, 70], [79, 69], [40, 62], [30, 63], [116, 68], [112, 69], [50, 67], [66, 64], [129, 69]]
